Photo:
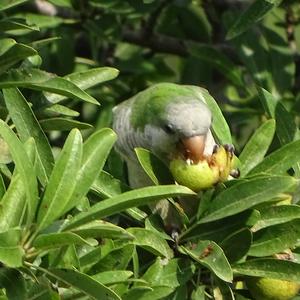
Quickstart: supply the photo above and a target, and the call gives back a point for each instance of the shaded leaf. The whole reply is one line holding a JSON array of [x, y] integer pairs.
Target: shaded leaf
[[15, 54], [13, 282], [154, 167], [254, 13], [5, 4]]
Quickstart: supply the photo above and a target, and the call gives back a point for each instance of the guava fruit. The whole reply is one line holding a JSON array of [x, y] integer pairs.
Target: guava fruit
[[263, 288], [205, 173]]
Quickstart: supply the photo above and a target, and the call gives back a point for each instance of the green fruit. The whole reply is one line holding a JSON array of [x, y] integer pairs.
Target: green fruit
[[262, 288], [195, 176]]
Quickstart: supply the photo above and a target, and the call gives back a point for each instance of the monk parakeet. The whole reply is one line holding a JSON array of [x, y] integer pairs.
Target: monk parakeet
[[166, 119]]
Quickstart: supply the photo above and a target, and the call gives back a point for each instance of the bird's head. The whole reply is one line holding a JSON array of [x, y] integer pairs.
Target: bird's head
[[175, 121]]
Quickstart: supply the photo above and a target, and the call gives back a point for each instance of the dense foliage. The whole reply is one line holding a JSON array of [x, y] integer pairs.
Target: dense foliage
[[70, 227]]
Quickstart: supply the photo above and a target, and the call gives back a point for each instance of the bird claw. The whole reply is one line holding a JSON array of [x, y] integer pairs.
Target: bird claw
[[229, 148], [235, 173]]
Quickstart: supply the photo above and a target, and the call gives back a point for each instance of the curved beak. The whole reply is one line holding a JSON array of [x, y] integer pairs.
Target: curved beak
[[193, 147]]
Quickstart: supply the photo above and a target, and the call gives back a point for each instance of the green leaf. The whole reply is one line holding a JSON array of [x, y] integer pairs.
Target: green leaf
[[28, 126], [286, 128], [107, 186], [279, 161], [95, 152], [256, 148], [237, 244], [254, 13], [218, 60], [146, 293], [57, 240], [112, 277], [274, 215], [154, 167], [13, 282], [102, 229], [13, 204], [220, 229], [10, 24], [126, 200], [58, 109], [211, 256], [11, 251], [40, 80], [5, 4], [84, 283], [62, 181], [25, 168], [15, 54], [219, 124], [176, 272], [110, 258], [268, 267], [150, 241], [275, 239], [63, 124], [246, 194], [87, 79]]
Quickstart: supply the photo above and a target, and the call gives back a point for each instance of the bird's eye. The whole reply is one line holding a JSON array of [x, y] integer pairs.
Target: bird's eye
[[169, 129]]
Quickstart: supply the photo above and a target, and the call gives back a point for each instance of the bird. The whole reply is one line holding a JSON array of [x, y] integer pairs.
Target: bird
[[168, 119]]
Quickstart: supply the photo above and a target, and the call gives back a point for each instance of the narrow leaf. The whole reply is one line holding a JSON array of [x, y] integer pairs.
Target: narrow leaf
[[57, 240], [5, 4], [84, 284], [43, 81], [11, 251], [247, 194], [87, 79], [24, 166], [126, 200], [154, 167], [279, 161], [62, 181], [28, 126], [275, 239], [274, 215], [63, 124], [150, 241], [210, 255], [14, 55], [13, 204], [256, 148], [254, 13], [95, 152], [268, 267]]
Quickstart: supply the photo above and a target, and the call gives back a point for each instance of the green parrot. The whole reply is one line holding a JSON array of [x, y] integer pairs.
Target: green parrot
[[169, 120]]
